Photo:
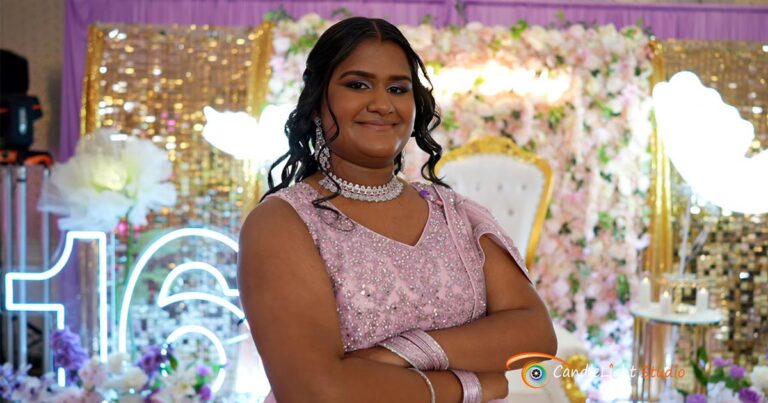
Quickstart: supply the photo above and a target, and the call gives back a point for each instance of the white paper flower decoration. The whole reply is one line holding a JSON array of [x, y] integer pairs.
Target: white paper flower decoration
[[110, 176], [708, 140]]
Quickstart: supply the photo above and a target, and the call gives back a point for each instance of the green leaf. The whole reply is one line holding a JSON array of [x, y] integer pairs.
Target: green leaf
[[277, 15], [341, 11], [595, 334], [701, 353], [602, 154], [560, 16], [622, 288], [604, 219], [449, 121], [574, 282], [698, 373], [555, 116], [173, 361], [518, 29], [732, 384], [717, 375], [427, 20]]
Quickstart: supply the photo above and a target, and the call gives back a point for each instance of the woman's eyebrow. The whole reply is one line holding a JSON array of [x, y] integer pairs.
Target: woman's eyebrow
[[371, 75]]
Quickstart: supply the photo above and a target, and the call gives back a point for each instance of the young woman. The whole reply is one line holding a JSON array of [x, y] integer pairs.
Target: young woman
[[358, 286]]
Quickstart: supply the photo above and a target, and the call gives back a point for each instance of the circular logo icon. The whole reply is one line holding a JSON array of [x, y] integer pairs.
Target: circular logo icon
[[535, 375]]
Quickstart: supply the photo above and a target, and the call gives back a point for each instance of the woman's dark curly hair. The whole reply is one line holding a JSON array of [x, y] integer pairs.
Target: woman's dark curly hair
[[331, 49]]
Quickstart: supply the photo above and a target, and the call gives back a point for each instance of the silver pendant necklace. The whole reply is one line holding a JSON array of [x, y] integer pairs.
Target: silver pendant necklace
[[376, 194]]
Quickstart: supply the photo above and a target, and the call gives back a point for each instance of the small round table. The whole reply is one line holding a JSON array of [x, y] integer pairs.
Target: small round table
[[649, 316]]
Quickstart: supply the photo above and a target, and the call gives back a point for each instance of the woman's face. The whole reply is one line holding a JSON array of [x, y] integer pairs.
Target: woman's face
[[371, 94]]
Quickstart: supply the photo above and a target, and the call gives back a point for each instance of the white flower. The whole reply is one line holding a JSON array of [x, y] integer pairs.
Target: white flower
[[116, 361], [30, 391], [93, 374], [134, 378], [311, 19], [178, 387], [281, 44], [110, 175], [759, 378]]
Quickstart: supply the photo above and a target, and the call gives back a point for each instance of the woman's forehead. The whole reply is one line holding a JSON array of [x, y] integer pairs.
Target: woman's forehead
[[380, 58]]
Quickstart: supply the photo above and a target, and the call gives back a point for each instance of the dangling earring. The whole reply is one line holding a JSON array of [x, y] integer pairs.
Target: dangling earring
[[402, 160], [322, 153]]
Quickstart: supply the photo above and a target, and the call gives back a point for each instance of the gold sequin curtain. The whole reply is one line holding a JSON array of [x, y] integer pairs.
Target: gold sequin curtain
[[734, 258], [153, 82]]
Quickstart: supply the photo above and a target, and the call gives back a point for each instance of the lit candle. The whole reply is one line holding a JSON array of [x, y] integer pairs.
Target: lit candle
[[702, 300], [665, 303], [644, 296]]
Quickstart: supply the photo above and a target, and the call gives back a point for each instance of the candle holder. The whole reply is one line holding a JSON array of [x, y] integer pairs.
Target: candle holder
[[683, 288]]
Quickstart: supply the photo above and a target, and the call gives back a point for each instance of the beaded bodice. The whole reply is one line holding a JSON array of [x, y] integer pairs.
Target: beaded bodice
[[384, 287]]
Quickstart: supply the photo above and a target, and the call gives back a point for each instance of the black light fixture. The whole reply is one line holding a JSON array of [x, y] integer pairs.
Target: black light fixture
[[18, 110]]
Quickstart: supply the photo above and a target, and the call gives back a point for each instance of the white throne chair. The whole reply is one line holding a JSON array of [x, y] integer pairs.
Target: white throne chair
[[516, 186]]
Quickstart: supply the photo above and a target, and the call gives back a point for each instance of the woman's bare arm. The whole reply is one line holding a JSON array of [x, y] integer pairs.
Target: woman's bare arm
[[291, 310], [517, 322]]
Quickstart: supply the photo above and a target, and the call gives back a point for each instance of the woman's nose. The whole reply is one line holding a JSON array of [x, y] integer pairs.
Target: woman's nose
[[380, 102]]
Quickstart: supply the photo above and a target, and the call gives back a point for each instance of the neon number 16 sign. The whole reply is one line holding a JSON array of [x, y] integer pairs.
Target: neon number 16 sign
[[172, 292], [58, 309]]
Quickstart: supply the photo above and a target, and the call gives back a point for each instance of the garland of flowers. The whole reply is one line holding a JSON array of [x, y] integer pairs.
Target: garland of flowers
[[595, 136], [725, 381], [155, 377]]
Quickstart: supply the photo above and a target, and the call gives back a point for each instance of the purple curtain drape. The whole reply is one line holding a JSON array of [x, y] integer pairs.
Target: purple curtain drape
[[683, 21]]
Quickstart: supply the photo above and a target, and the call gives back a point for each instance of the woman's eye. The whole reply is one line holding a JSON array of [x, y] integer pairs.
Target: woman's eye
[[398, 90], [357, 85]]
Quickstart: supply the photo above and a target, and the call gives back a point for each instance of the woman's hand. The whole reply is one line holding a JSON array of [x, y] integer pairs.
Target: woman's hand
[[494, 384], [379, 354]]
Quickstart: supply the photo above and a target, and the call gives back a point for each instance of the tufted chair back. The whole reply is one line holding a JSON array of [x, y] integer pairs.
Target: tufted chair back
[[515, 185]]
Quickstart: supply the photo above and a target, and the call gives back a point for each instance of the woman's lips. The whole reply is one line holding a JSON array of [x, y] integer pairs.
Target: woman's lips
[[377, 126]]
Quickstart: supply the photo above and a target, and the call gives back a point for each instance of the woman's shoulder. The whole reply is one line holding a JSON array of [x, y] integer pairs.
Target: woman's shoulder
[[294, 192], [439, 192], [279, 208]]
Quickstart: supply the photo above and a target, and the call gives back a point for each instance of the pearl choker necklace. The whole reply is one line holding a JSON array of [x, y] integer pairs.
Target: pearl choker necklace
[[354, 191]]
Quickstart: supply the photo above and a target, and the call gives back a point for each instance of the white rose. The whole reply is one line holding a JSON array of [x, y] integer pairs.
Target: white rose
[[134, 378], [474, 26], [115, 362], [281, 44], [759, 378], [615, 84], [311, 19]]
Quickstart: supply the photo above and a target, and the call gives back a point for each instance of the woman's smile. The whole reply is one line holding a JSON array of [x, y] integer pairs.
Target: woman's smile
[[377, 125]]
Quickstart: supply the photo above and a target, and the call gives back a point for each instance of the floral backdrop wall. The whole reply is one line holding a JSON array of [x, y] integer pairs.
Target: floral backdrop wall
[[577, 95]]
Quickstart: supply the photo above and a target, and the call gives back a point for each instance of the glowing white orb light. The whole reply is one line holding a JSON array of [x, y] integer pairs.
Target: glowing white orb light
[[707, 141], [242, 136], [494, 78]]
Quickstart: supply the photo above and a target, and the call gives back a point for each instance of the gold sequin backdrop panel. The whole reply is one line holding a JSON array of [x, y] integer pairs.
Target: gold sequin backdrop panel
[[734, 257], [154, 81]]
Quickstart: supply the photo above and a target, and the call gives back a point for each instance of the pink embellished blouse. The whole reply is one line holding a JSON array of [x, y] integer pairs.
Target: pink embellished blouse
[[384, 287]]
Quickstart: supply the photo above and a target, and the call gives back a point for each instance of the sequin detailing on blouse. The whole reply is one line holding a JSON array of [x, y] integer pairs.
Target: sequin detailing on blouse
[[384, 287]]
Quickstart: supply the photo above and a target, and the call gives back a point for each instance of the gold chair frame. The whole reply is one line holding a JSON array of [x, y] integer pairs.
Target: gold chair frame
[[505, 146]]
